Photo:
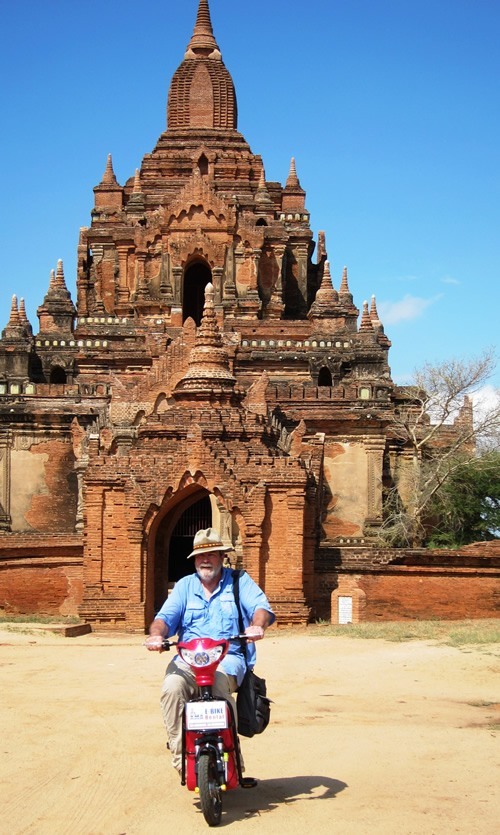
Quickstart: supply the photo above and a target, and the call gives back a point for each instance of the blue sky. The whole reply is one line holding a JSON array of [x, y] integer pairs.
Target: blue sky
[[390, 107]]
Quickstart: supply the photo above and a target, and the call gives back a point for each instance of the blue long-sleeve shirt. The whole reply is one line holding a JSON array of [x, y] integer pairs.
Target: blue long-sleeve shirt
[[189, 614]]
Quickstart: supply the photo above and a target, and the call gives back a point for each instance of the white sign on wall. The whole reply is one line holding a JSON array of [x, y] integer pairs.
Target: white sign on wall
[[345, 609]]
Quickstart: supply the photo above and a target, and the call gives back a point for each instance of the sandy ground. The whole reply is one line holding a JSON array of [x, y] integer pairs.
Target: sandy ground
[[366, 737]]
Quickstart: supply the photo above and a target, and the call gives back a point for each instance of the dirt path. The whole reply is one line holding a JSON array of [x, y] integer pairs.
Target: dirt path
[[382, 738]]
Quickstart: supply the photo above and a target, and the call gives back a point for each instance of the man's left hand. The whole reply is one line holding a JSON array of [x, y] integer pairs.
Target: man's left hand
[[254, 633]]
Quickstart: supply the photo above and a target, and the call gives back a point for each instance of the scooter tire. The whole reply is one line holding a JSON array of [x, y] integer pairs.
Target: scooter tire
[[209, 789]]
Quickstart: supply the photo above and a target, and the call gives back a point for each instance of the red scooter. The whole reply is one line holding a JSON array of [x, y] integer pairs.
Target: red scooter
[[211, 759]]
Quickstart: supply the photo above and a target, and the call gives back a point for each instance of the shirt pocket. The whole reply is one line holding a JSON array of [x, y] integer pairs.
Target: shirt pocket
[[194, 614], [229, 615]]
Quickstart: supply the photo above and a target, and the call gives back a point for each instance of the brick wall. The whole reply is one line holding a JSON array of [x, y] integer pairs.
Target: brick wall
[[44, 575], [412, 594], [404, 585], [41, 575]]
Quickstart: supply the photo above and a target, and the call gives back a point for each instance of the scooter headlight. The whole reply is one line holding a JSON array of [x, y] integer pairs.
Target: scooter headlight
[[201, 657]]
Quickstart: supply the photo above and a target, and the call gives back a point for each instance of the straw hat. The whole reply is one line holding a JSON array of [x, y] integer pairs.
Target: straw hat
[[207, 541]]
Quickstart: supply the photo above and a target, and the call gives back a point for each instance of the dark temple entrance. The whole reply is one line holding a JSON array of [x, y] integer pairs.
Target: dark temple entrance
[[196, 278], [173, 544]]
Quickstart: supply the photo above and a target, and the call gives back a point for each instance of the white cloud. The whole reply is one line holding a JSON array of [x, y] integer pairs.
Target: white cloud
[[485, 400], [410, 307], [448, 279]]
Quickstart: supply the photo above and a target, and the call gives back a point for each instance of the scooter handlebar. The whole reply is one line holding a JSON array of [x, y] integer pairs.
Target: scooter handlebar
[[167, 643]]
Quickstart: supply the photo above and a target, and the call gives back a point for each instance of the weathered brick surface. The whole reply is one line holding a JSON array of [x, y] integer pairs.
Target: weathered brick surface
[[413, 594], [54, 507], [41, 574]]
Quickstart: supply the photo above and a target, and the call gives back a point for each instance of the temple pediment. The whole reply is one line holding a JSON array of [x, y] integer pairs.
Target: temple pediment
[[199, 205], [196, 245]]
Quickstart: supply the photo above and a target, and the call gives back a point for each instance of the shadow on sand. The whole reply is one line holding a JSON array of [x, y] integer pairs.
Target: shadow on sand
[[269, 794]]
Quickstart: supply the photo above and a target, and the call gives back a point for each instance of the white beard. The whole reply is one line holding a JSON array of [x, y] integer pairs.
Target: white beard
[[208, 573]]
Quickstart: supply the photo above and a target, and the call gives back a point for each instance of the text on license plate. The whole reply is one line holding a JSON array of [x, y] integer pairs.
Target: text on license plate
[[202, 716]]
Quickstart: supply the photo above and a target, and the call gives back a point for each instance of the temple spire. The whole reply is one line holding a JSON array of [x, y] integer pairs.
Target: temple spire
[[292, 179], [14, 313], [293, 196], [325, 304], [60, 283], [23, 318], [344, 285], [201, 93], [262, 195], [203, 39], [209, 368], [366, 325], [22, 311], [377, 324], [345, 294], [18, 328], [109, 193], [109, 178]]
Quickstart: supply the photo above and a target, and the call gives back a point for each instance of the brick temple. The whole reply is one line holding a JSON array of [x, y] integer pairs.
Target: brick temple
[[211, 371]]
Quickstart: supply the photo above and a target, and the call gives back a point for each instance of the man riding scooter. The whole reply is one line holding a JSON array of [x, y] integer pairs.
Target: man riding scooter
[[203, 605]]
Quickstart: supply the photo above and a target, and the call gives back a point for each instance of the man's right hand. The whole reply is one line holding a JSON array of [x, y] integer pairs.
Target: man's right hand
[[154, 643]]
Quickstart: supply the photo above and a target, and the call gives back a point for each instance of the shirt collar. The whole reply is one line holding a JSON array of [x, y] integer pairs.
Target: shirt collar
[[222, 582]]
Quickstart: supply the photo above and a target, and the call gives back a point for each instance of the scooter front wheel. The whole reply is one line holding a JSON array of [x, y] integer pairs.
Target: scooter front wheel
[[209, 788]]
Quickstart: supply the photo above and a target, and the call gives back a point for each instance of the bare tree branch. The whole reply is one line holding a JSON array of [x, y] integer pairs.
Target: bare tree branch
[[440, 424]]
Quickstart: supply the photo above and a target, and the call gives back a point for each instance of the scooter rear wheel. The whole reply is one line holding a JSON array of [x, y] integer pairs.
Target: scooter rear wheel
[[210, 790]]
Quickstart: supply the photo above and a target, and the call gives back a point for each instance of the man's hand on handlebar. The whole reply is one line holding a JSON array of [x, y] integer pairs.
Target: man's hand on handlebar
[[154, 643], [254, 633]]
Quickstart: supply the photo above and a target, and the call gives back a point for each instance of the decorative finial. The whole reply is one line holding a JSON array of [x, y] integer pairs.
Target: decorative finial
[[366, 323], [23, 319], [327, 285], [109, 175], [325, 304], [60, 283], [203, 35], [209, 360], [22, 312], [137, 182], [262, 195], [377, 324], [292, 179], [14, 312]]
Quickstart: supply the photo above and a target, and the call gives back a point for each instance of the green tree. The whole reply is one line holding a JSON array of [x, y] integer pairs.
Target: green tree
[[467, 508]]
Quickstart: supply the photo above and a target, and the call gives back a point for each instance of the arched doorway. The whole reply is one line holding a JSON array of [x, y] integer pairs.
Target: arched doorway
[[325, 377], [57, 374], [196, 278], [174, 541], [203, 165]]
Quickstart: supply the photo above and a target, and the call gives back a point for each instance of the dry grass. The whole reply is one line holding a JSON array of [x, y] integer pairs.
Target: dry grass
[[453, 633]]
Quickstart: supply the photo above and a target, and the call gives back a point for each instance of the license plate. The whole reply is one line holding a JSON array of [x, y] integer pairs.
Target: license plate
[[202, 716]]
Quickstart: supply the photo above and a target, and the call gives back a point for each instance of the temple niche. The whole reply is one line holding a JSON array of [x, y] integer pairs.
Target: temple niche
[[214, 369]]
